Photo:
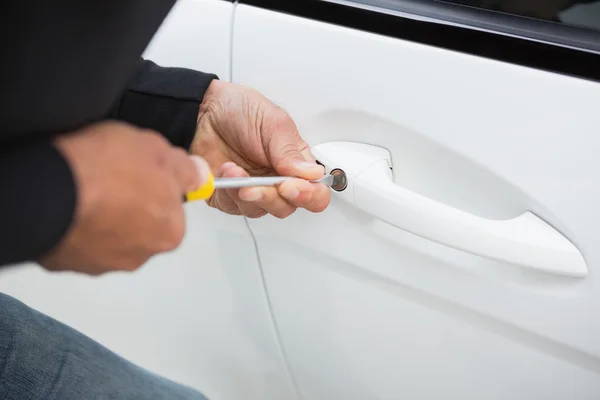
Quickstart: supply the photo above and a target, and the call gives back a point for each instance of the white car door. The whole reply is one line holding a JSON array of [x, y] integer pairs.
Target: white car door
[[462, 260], [198, 315]]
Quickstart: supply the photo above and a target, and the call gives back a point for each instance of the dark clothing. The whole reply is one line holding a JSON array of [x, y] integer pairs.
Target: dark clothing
[[65, 64]]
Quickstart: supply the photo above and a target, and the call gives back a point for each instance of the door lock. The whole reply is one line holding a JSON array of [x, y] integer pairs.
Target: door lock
[[340, 181]]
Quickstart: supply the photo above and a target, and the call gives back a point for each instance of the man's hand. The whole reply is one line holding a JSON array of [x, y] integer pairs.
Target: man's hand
[[241, 133], [130, 188]]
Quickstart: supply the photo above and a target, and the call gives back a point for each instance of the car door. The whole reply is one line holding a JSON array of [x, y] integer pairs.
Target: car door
[[197, 315], [462, 259]]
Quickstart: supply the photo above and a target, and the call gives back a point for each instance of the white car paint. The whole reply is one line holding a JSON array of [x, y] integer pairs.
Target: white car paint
[[369, 311], [362, 308]]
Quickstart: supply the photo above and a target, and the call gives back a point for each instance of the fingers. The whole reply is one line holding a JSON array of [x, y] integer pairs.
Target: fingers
[[190, 172], [286, 150], [268, 200], [280, 202], [313, 197], [247, 208], [251, 202], [221, 199], [202, 169], [290, 155], [184, 169]]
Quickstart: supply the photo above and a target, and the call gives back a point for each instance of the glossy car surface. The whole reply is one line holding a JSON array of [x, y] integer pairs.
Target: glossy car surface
[[460, 263]]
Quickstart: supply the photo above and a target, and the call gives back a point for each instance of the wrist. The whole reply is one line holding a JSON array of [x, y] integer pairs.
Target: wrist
[[214, 90]]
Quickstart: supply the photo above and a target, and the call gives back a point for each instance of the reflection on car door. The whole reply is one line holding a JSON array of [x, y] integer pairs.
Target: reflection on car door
[[491, 124]]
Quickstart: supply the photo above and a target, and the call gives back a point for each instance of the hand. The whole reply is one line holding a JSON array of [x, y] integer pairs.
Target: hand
[[130, 188], [241, 133]]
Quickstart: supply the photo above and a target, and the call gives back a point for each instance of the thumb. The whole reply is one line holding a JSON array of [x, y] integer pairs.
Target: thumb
[[202, 171], [290, 156]]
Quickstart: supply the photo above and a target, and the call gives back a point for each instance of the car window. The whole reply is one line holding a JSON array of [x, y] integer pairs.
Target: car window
[[580, 13], [569, 23]]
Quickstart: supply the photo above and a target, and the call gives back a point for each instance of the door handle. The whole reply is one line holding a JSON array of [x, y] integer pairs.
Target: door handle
[[526, 240]]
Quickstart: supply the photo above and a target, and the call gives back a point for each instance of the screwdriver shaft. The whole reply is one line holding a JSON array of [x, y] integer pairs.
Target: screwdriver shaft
[[234, 183]]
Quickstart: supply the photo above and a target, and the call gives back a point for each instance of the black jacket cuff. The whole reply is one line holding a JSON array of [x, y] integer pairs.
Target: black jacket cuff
[[166, 100]]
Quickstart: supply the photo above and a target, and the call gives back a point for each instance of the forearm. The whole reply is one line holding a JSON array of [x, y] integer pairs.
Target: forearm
[[165, 100], [38, 198], [37, 202]]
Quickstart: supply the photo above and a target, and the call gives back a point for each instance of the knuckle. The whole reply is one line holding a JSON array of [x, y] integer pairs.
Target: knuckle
[[130, 266], [319, 209], [282, 214], [282, 116], [134, 263], [167, 228], [174, 233], [288, 149], [254, 214]]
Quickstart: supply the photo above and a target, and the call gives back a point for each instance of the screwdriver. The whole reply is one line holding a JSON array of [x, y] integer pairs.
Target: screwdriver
[[206, 191]]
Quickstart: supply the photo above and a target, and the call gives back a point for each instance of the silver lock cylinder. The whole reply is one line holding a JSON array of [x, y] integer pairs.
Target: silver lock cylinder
[[340, 181]]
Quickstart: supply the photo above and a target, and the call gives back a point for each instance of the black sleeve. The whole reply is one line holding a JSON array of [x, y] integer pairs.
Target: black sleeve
[[37, 200], [165, 99]]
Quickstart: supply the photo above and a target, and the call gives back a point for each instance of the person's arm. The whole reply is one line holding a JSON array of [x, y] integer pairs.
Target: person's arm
[[165, 99], [86, 200], [37, 200], [39, 195]]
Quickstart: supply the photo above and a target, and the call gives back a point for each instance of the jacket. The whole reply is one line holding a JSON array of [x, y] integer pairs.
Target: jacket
[[66, 64]]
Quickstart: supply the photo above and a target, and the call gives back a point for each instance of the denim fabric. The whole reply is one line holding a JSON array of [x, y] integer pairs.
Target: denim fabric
[[43, 359]]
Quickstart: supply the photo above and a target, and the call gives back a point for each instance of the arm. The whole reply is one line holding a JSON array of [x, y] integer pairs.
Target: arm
[[166, 100], [39, 196], [37, 200]]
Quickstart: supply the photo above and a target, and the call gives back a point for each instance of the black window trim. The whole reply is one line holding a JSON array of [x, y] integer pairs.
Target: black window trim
[[523, 41], [441, 11]]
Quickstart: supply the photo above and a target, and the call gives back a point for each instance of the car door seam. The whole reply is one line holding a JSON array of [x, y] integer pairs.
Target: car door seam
[[272, 316], [231, 33]]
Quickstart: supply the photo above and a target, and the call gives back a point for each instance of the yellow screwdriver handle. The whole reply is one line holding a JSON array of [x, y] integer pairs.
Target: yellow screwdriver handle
[[203, 192]]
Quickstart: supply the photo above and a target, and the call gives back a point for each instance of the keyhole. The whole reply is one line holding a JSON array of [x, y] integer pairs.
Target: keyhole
[[340, 181]]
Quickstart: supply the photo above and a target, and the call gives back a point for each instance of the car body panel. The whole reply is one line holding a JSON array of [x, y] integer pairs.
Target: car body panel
[[352, 306], [368, 311]]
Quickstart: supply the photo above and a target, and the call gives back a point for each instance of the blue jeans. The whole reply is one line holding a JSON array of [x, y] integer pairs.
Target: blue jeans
[[43, 359]]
